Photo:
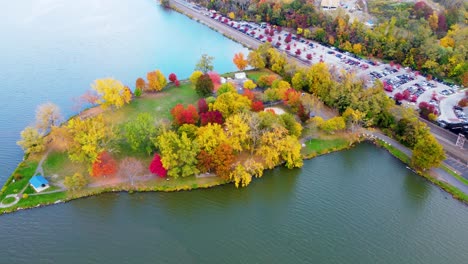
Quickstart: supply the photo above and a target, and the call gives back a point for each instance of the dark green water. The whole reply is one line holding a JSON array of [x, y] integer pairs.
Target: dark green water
[[357, 206]]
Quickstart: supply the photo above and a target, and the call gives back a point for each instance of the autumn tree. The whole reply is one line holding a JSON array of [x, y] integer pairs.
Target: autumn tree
[[210, 136], [223, 159], [89, 98], [90, 137], [333, 124], [249, 94], [104, 165], [226, 88], [292, 98], [131, 168], [205, 161], [140, 84], [240, 62], [205, 64], [31, 141], [240, 176], [204, 86], [112, 93], [47, 116], [60, 138], [141, 132], [183, 115], [156, 81], [178, 154], [202, 106], [427, 153], [195, 76], [231, 103], [75, 182], [214, 117], [172, 77], [237, 131], [256, 60], [250, 85], [215, 78], [257, 106], [156, 167]]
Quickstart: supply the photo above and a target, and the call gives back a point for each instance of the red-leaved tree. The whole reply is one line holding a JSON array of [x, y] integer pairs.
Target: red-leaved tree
[[105, 165], [156, 167], [202, 106], [302, 113], [183, 115], [257, 106], [172, 77], [211, 117]]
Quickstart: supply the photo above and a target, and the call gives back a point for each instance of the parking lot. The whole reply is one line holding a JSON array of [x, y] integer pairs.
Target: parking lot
[[409, 87]]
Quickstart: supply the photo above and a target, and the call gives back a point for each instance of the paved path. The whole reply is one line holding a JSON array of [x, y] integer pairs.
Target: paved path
[[438, 172]]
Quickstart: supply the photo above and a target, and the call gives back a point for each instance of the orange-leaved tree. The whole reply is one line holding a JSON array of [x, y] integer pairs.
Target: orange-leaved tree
[[240, 61], [105, 165]]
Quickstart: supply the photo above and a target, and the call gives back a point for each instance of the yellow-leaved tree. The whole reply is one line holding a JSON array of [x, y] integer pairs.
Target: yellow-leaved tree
[[156, 81], [112, 93]]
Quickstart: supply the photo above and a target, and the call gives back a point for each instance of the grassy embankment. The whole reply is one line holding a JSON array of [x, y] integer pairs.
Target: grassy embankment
[[454, 191]]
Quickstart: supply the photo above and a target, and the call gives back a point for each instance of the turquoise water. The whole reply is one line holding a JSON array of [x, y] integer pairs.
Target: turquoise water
[[357, 206], [52, 50]]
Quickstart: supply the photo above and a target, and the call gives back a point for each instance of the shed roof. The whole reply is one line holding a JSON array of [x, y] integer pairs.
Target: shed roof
[[37, 181]]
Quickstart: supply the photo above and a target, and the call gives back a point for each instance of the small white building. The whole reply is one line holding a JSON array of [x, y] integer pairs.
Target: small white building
[[240, 76]]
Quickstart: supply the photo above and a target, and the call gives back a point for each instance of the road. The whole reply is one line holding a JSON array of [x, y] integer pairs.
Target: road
[[457, 158]]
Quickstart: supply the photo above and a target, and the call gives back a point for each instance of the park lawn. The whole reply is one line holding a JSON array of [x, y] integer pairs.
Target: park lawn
[[26, 169], [256, 74], [41, 199], [318, 146], [58, 163], [157, 104]]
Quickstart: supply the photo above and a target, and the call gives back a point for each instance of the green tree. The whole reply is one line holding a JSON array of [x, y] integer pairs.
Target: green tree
[[205, 64], [427, 153], [141, 132], [204, 86], [225, 88], [31, 141], [178, 154]]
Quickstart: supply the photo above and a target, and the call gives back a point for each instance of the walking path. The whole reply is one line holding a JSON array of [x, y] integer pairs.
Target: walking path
[[18, 196], [437, 172]]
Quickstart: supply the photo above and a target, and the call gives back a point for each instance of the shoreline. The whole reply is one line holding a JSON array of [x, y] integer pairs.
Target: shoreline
[[69, 196], [122, 188]]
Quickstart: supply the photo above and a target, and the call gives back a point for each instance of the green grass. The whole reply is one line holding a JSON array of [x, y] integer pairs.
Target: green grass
[[320, 146], [256, 74], [34, 200], [8, 200], [54, 162], [454, 174], [395, 152], [159, 104], [26, 170]]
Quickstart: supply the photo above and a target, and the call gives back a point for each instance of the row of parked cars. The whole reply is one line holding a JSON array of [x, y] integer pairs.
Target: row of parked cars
[[459, 113]]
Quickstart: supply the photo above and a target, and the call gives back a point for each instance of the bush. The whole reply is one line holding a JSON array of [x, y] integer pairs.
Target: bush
[[204, 85], [137, 92], [17, 176], [25, 196]]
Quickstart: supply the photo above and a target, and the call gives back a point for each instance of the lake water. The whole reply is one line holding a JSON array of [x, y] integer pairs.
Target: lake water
[[52, 50], [357, 206]]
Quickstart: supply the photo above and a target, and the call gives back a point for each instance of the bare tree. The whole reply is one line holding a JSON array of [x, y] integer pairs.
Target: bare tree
[[131, 168], [47, 115]]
